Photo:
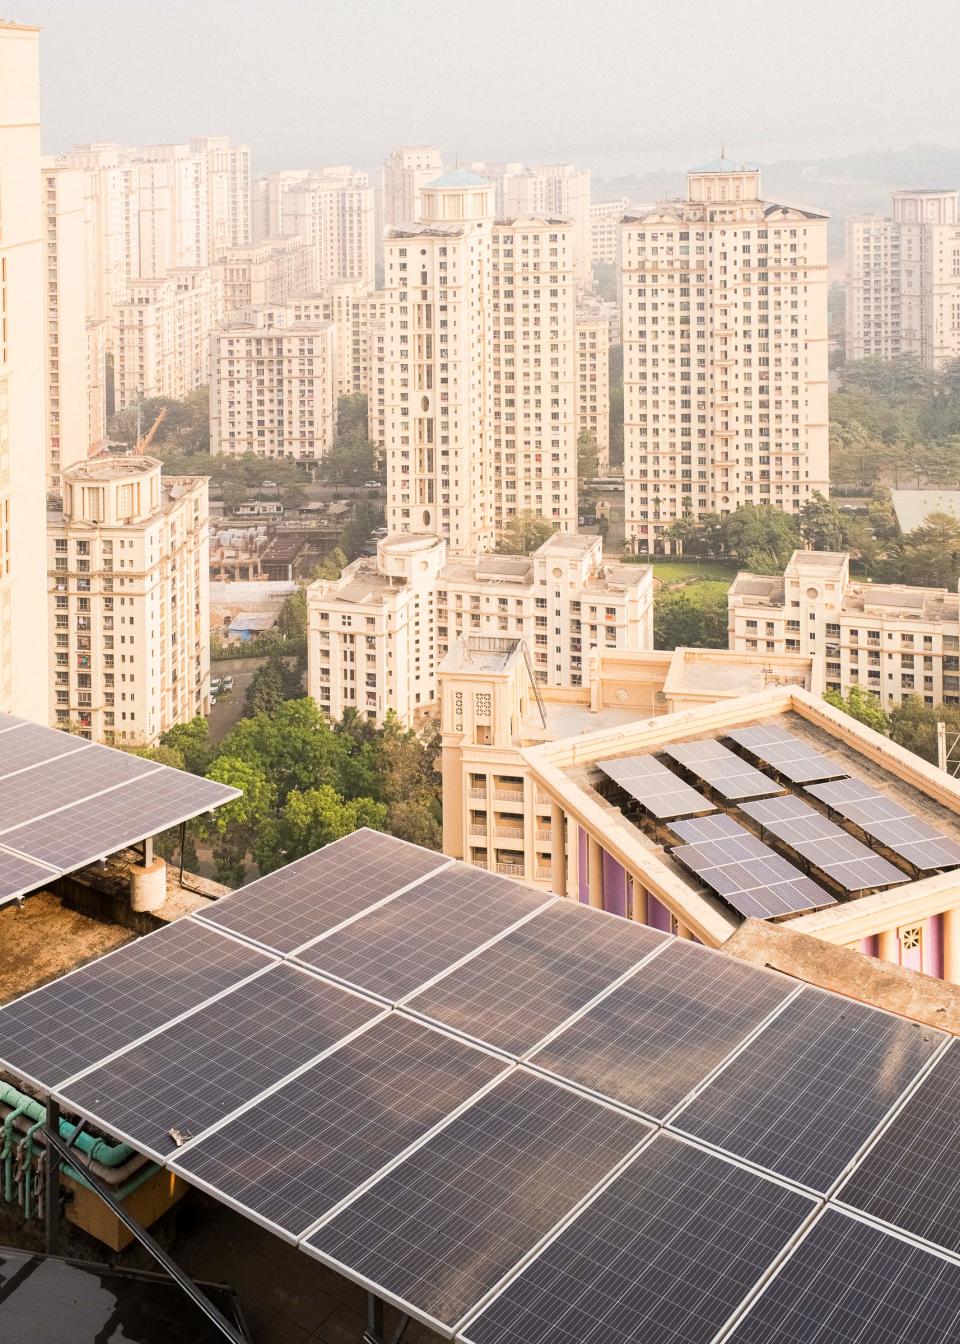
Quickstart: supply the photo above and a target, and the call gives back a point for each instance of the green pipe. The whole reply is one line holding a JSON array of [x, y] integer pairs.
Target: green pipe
[[97, 1150], [128, 1187], [29, 1148], [6, 1152]]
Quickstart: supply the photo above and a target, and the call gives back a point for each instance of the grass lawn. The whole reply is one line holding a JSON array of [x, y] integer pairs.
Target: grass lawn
[[675, 571]]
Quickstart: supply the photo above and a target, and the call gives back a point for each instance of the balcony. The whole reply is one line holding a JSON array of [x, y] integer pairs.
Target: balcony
[[509, 795], [510, 869]]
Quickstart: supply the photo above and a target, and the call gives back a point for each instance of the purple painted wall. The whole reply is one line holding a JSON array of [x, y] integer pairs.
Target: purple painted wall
[[933, 946], [870, 947], [658, 916], [584, 892], [615, 886]]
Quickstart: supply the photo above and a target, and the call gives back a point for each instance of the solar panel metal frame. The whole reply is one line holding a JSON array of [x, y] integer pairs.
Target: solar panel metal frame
[[32, 874], [633, 773], [800, 826], [697, 756], [785, 753], [863, 799]]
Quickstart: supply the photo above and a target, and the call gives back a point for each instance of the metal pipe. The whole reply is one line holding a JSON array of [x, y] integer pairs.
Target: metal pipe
[[52, 1175]]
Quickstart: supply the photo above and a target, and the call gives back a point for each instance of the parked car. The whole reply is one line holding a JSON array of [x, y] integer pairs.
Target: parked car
[[215, 685], [226, 685], [373, 485]]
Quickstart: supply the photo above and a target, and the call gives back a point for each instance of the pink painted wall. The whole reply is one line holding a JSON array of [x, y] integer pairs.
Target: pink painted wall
[[614, 886]]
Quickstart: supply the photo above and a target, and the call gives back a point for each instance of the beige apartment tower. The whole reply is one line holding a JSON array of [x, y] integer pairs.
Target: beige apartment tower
[[23, 642], [725, 354], [405, 173], [70, 374], [161, 332], [128, 600]]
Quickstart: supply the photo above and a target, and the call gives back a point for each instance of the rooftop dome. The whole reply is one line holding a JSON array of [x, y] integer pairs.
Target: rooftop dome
[[458, 177]]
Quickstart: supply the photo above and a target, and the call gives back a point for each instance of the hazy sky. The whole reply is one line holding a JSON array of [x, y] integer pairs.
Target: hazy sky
[[618, 85]]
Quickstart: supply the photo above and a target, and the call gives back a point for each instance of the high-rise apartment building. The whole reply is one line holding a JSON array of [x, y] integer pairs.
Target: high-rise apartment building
[[605, 217], [378, 633], [96, 379], [479, 368], [23, 642], [557, 191], [499, 173], [271, 271], [333, 210], [273, 384], [405, 173], [161, 335], [69, 390], [725, 354], [593, 381], [228, 192], [903, 280], [128, 571], [344, 303]]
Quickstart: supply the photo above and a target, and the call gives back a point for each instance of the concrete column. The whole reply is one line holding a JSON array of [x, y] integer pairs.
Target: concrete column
[[595, 872], [951, 945], [683, 931], [148, 851], [638, 901], [148, 886], [888, 948], [573, 859], [558, 850]]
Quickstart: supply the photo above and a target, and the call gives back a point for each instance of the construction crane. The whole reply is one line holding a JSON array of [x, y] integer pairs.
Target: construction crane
[[144, 441]]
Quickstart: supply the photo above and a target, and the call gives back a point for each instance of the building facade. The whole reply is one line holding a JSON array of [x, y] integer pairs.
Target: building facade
[[333, 211], [605, 217], [903, 280], [405, 173], [557, 191], [593, 382], [23, 640], [128, 604], [892, 640], [725, 354], [271, 271], [70, 372], [161, 335], [378, 633], [273, 384]]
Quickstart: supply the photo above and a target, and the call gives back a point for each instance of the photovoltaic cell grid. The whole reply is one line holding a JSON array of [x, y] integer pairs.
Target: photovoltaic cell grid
[[722, 769], [441, 1229], [910, 1176], [290, 1159], [889, 823], [807, 1093], [656, 789], [195, 1073], [515, 992], [61, 783], [290, 908], [720, 827], [825, 846], [18, 875], [848, 1282], [651, 1040], [664, 1255], [749, 876], [31, 744], [54, 1032], [395, 949], [791, 757]]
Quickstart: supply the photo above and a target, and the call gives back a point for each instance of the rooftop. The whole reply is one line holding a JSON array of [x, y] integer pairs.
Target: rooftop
[[482, 653], [725, 165], [457, 177], [913, 507]]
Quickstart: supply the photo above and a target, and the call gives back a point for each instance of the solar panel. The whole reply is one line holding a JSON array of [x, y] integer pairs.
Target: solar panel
[[848, 1281], [99, 826], [293, 906], [910, 1176], [791, 757], [804, 1096], [193, 1074], [650, 1041], [825, 846], [43, 789], [889, 823], [31, 744], [54, 1032], [720, 827], [722, 769], [8, 721], [529, 982], [664, 1255], [440, 1230], [657, 789], [398, 947], [19, 875], [292, 1157], [751, 878]]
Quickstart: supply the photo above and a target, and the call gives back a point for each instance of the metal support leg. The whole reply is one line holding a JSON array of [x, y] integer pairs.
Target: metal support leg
[[374, 1331], [183, 841], [51, 1211]]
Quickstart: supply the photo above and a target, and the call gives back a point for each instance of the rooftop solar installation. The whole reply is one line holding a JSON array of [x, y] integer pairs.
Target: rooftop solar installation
[[825, 846], [511, 995], [398, 947], [663, 1255], [295, 905], [177, 1083], [850, 1283], [61, 783], [440, 1230], [720, 827], [656, 789], [807, 1093], [651, 1040], [748, 875], [910, 1176], [889, 823], [722, 769], [55, 1031], [790, 756], [321, 1135], [19, 875], [32, 744]]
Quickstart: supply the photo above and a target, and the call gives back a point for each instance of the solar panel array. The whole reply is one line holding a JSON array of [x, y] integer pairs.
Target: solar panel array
[[825, 846], [601, 1130], [658, 790], [65, 802], [743, 871], [889, 823], [786, 753], [731, 777]]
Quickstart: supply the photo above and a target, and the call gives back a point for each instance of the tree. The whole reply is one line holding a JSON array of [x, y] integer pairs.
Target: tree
[[760, 535], [405, 766], [587, 455], [246, 824], [821, 523], [349, 461], [524, 533], [352, 417], [860, 705], [271, 685], [191, 741], [330, 567], [680, 622], [233, 495], [312, 819], [914, 725]]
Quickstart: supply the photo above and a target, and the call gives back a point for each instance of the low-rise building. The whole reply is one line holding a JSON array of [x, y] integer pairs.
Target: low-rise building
[[377, 634], [892, 640], [271, 271], [128, 605], [272, 385], [161, 335]]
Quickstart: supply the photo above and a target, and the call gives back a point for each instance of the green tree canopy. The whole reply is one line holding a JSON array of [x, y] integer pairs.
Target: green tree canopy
[[191, 742], [524, 533], [914, 725], [682, 620], [860, 705]]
